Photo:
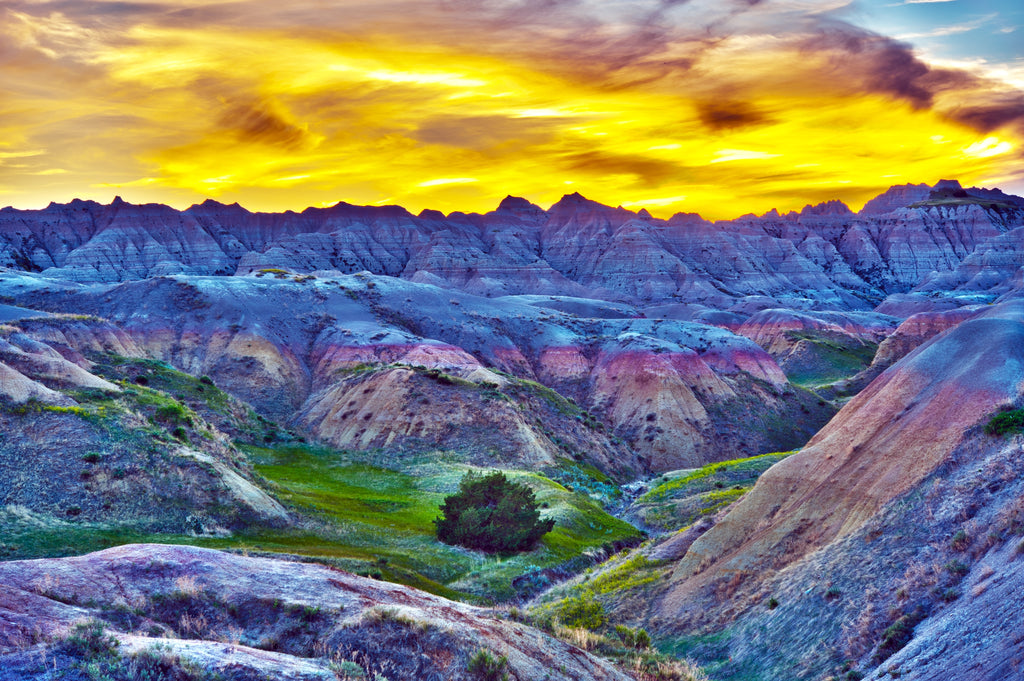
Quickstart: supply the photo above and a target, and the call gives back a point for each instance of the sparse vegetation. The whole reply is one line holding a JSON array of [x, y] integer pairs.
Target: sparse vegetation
[[484, 666], [897, 635], [683, 498], [96, 655]]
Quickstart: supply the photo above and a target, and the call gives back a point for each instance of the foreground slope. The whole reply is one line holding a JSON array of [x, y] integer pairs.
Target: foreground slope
[[254, 618], [880, 517]]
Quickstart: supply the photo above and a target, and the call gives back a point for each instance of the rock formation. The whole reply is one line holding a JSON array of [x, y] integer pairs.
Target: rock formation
[[254, 618], [823, 258]]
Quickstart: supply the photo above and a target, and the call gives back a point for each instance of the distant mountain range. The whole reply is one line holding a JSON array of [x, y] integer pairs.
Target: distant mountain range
[[824, 257]]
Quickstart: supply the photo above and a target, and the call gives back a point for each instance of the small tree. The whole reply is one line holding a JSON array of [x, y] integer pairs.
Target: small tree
[[493, 514]]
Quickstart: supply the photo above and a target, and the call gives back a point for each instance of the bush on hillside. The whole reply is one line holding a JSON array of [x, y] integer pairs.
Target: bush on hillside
[[491, 513], [1006, 422]]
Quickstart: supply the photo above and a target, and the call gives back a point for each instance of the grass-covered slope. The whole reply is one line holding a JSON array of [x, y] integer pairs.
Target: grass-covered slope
[[680, 498], [170, 457], [379, 521]]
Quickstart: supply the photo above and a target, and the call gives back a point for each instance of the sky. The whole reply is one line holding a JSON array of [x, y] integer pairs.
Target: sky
[[719, 107]]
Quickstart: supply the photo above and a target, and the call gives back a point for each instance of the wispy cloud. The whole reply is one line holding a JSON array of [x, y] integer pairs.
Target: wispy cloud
[[737, 106]]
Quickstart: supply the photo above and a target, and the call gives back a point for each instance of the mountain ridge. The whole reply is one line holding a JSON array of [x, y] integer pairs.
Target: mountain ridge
[[825, 257]]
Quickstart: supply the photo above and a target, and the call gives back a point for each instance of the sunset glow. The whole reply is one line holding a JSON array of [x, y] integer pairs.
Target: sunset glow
[[707, 108]]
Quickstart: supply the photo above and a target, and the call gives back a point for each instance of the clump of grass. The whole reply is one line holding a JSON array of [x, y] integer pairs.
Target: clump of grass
[[633, 638], [89, 641], [486, 667], [959, 541], [382, 615], [957, 567], [897, 635]]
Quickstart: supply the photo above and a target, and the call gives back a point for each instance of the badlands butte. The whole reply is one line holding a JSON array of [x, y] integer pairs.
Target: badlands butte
[[786, 446]]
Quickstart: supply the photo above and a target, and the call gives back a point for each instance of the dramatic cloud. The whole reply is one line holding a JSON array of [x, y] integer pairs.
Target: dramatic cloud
[[715, 106]]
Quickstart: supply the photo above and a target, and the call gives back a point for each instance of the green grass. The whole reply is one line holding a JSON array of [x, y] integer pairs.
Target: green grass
[[159, 376], [835, 361], [559, 403], [683, 498], [172, 397], [353, 511], [703, 479], [368, 512]]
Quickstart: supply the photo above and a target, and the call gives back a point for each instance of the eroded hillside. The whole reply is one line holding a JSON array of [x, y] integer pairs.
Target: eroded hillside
[[314, 384]]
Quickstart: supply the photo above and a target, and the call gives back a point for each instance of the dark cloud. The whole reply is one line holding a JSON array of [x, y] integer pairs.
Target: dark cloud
[[648, 171], [997, 112], [257, 121], [881, 65], [725, 115], [872, 63]]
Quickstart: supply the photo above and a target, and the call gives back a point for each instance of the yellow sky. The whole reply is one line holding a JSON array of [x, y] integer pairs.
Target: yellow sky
[[174, 103]]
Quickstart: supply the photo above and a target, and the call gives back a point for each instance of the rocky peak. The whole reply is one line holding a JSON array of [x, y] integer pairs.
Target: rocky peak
[[686, 220], [833, 207], [430, 214], [519, 207], [947, 185], [897, 196], [577, 206]]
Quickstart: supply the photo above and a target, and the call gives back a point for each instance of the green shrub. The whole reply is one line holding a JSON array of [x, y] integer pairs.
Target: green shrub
[[959, 541], [486, 667], [491, 513], [630, 638], [172, 414], [1006, 422], [957, 567], [89, 641], [897, 635], [583, 611]]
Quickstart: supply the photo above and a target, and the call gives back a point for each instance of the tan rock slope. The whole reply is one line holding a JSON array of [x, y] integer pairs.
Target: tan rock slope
[[901, 507], [879, 446]]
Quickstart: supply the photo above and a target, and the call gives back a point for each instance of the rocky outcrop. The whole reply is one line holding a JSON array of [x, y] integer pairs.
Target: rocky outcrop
[[898, 196], [257, 618]]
